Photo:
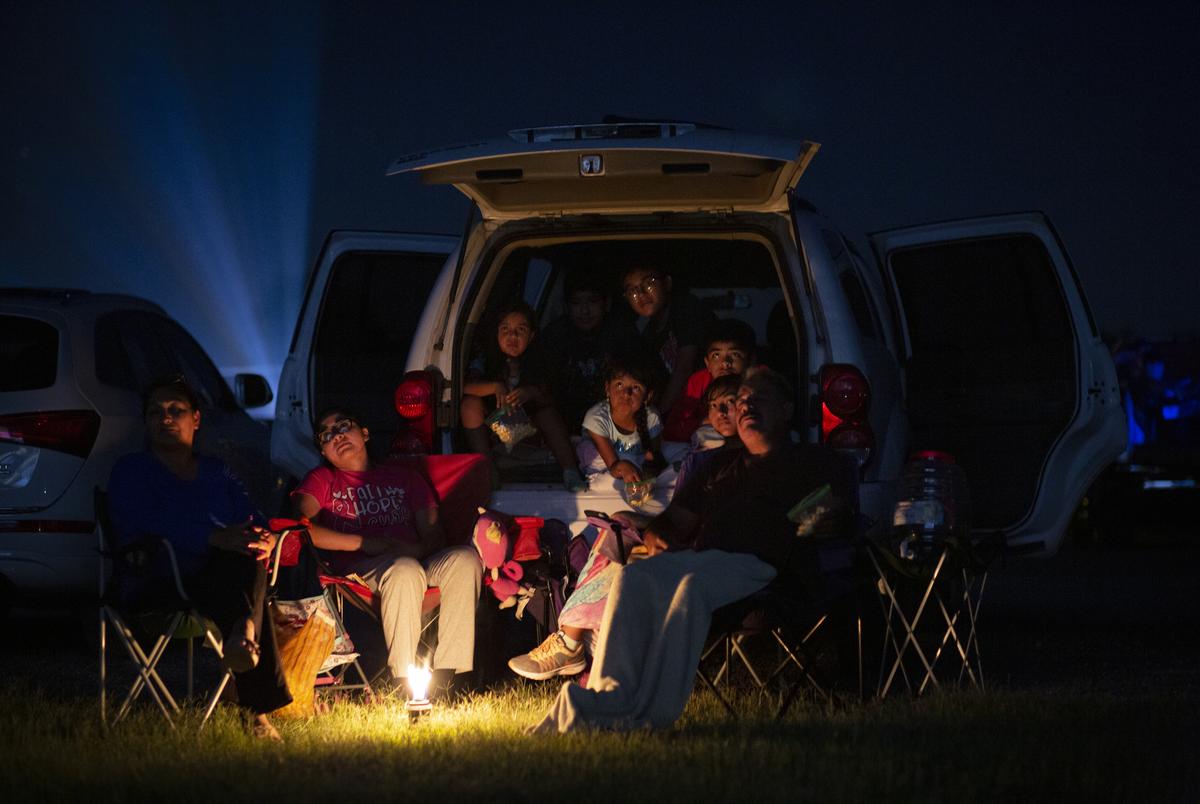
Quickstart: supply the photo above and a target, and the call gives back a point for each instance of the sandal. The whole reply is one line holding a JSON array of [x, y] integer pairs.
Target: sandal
[[261, 729], [241, 655]]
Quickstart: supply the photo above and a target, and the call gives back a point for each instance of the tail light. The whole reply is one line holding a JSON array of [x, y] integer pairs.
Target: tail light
[[70, 431], [845, 403], [414, 402]]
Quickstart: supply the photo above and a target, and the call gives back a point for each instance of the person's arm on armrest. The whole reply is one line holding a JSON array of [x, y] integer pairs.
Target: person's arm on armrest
[[330, 539]]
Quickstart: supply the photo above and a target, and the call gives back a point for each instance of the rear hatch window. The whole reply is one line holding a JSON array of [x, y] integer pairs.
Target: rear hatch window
[[28, 353]]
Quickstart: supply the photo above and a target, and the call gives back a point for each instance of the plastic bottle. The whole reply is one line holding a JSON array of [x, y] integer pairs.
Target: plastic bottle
[[933, 503]]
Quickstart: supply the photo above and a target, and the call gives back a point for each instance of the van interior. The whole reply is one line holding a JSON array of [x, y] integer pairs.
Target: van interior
[[732, 276]]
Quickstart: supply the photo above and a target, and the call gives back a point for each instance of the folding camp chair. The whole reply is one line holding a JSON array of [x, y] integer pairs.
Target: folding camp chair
[[332, 676], [788, 621], [796, 610], [947, 580], [461, 483], [183, 622]]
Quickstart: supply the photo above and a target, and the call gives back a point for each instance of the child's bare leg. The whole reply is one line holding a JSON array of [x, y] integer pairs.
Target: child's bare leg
[[471, 413], [573, 631], [550, 424]]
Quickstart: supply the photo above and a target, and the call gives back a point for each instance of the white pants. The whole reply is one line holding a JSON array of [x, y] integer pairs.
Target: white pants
[[400, 584]]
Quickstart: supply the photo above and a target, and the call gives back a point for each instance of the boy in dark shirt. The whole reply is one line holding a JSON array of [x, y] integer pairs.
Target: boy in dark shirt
[[575, 346]]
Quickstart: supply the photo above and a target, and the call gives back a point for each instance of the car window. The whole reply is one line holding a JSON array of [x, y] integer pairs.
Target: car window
[[370, 311], [195, 365], [129, 351], [28, 353], [856, 296]]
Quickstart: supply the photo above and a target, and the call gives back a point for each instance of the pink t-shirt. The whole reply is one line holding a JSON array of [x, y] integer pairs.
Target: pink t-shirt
[[381, 501]]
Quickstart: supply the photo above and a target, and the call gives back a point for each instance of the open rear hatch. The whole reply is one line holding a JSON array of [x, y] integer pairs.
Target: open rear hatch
[[614, 168]]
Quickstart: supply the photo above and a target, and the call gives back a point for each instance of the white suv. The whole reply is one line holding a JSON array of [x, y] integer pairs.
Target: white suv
[[970, 337], [74, 365]]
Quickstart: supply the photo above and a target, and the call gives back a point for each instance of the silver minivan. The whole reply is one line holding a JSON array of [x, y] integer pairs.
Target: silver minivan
[[972, 337]]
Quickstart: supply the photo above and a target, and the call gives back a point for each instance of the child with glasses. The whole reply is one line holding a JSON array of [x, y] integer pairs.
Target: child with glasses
[[728, 351], [511, 374], [380, 522], [670, 325]]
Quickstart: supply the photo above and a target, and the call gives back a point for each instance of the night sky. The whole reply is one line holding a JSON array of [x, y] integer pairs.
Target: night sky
[[197, 154]]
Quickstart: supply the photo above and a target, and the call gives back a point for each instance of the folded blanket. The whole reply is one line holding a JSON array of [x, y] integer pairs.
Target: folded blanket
[[651, 637]]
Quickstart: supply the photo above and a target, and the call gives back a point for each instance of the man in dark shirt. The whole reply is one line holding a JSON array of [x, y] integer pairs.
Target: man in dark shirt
[[739, 501], [734, 513]]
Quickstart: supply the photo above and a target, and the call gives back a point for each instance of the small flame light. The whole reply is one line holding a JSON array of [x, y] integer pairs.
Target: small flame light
[[418, 685]]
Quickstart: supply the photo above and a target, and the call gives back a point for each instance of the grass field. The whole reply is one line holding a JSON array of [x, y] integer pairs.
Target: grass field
[[956, 746], [1094, 695]]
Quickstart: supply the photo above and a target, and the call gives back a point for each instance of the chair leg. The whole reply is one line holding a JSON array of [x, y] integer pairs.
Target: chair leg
[[147, 675], [226, 676], [910, 637], [713, 687], [103, 671], [337, 611], [191, 668]]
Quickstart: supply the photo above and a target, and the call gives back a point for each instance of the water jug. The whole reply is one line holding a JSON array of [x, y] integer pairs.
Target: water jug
[[932, 504]]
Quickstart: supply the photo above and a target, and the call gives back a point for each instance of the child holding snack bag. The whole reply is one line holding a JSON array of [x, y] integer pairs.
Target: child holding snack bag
[[510, 379]]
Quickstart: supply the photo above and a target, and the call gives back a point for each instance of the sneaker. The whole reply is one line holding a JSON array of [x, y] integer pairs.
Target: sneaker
[[549, 659]]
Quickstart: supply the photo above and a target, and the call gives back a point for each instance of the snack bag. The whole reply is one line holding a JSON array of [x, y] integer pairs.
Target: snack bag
[[638, 492], [511, 425]]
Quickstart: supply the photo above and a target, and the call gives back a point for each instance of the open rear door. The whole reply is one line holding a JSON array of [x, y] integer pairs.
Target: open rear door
[[366, 297], [1004, 367]]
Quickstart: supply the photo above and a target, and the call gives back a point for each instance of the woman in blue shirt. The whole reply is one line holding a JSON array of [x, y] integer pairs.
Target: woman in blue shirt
[[197, 504]]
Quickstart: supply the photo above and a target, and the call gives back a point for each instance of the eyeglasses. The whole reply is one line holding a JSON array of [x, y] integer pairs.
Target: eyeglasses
[[171, 412], [334, 430], [649, 285]]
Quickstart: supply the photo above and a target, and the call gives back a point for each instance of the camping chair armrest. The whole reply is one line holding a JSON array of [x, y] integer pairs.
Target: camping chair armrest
[[175, 571], [299, 531]]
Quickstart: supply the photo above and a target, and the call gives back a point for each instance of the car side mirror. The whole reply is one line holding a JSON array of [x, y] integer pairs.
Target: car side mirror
[[252, 390]]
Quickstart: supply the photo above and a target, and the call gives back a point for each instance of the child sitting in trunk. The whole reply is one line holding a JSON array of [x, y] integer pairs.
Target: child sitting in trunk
[[511, 375], [728, 351], [575, 346], [621, 433]]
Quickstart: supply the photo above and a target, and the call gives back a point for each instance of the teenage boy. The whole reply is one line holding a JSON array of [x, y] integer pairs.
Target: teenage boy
[[575, 346]]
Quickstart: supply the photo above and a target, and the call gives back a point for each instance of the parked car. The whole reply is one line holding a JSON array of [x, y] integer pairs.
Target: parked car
[[972, 337], [1154, 486], [74, 364]]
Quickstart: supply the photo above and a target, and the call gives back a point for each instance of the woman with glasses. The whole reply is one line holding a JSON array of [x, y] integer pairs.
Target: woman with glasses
[[671, 325], [380, 522], [197, 504]]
